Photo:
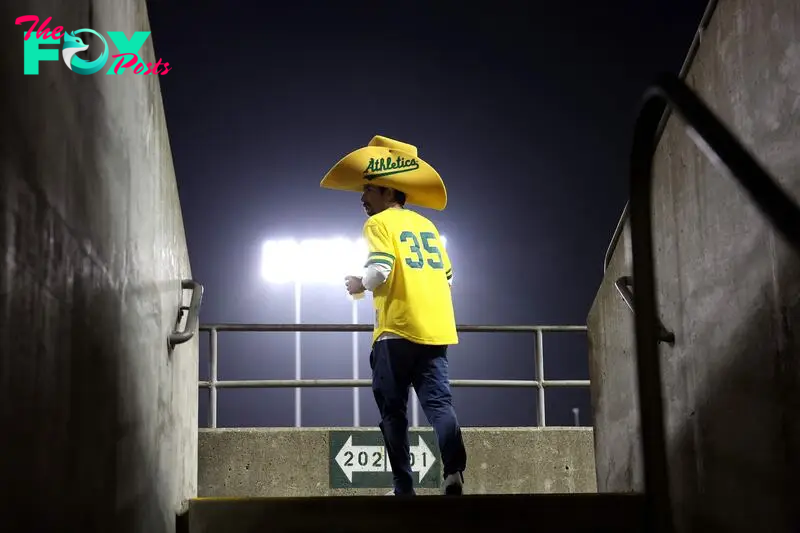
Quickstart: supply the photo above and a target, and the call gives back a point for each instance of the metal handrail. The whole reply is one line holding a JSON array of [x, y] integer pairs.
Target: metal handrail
[[193, 317], [623, 285], [347, 328], [662, 124], [612, 246], [337, 383], [213, 384], [711, 136]]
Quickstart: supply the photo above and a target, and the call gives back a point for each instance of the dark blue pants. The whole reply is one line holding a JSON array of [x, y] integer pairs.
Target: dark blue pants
[[397, 364]]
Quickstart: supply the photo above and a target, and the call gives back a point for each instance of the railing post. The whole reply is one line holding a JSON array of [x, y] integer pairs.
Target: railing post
[[298, 408], [212, 388], [356, 398], [540, 378], [414, 408]]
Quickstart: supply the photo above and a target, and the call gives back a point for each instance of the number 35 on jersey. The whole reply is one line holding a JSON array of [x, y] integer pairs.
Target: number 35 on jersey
[[426, 241]]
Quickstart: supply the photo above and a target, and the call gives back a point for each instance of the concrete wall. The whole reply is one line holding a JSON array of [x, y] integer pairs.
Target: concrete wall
[[612, 371], [294, 462], [729, 289], [99, 420]]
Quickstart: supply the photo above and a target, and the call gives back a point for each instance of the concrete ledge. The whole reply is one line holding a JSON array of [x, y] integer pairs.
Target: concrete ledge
[[272, 462], [570, 513]]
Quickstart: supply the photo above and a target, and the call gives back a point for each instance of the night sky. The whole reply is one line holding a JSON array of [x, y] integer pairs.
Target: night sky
[[526, 110]]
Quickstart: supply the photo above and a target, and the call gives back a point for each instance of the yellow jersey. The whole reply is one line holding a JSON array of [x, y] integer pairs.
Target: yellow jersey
[[415, 300]]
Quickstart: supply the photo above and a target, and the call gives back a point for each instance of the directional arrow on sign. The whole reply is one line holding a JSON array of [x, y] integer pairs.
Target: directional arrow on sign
[[348, 459], [422, 457], [351, 458]]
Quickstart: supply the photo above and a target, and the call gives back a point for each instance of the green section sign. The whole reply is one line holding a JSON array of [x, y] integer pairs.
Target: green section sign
[[358, 459]]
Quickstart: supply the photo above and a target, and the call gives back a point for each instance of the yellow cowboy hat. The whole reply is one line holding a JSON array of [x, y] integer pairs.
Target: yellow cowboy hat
[[385, 162]]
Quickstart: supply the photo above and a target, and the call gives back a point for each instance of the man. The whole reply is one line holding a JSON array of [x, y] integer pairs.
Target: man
[[409, 274]]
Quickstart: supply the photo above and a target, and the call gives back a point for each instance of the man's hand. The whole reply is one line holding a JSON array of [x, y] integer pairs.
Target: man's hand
[[354, 285]]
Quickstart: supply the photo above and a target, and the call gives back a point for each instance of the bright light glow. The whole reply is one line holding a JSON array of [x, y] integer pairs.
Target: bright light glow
[[314, 260]]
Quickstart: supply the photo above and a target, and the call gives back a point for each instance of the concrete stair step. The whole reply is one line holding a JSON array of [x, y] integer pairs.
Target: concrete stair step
[[562, 513]]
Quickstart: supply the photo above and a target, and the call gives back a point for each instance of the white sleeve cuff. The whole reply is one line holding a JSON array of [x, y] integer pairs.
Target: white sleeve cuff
[[375, 275]]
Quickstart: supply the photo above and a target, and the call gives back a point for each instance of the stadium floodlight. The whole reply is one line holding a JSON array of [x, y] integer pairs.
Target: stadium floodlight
[[312, 260], [318, 261]]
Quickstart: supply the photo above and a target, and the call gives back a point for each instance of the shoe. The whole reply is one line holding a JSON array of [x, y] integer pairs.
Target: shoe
[[454, 484]]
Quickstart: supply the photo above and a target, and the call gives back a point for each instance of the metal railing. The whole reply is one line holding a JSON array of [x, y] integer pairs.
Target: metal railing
[[726, 152], [213, 384], [193, 309]]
